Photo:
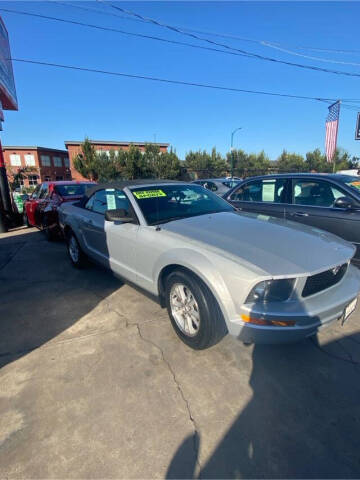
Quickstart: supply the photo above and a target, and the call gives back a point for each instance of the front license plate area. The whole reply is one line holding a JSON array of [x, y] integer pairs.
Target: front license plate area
[[348, 311]]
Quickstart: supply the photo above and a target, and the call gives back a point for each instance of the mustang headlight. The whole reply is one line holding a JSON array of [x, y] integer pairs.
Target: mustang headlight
[[271, 291]]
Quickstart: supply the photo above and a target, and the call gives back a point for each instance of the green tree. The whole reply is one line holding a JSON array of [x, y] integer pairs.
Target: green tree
[[18, 175], [343, 160], [166, 165], [316, 162], [87, 162], [248, 164], [198, 161], [291, 162], [218, 164], [206, 164], [132, 164]]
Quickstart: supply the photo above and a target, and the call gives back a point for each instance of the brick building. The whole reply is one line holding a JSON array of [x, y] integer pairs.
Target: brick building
[[47, 164], [104, 146]]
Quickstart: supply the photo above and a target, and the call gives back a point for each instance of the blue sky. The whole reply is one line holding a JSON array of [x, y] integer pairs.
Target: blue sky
[[57, 105]]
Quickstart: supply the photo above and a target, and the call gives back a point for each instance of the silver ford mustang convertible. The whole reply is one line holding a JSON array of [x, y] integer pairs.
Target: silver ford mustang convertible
[[217, 271]]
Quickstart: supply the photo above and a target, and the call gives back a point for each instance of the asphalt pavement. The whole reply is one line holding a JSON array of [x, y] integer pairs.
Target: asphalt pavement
[[94, 383]]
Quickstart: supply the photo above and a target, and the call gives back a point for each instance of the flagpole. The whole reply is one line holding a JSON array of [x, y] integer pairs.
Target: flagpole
[[337, 129]]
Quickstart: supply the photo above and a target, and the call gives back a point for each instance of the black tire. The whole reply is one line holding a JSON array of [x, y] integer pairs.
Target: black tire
[[212, 327], [25, 219], [78, 260]]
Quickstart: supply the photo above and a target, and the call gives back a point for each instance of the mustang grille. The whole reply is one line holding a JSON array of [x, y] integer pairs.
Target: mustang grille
[[321, 281]]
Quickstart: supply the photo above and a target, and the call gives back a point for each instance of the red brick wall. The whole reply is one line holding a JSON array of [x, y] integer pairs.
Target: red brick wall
[[43, 172]]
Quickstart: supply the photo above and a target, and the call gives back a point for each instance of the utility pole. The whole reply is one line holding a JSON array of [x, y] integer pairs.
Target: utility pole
[[8, 101], [5, 202], [231, 150]]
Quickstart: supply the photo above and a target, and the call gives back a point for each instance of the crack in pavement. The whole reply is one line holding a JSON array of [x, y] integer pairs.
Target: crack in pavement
[[196, 443], [196, 436]]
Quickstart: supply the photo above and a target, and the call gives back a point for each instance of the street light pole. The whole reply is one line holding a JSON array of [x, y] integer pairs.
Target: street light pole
[[231, 150]]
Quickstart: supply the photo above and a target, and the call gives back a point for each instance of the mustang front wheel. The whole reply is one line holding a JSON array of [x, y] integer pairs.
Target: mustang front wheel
[[193, 310]]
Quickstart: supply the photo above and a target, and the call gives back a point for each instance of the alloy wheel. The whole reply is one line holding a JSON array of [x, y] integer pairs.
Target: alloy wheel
[[184, 309], [74, 249]]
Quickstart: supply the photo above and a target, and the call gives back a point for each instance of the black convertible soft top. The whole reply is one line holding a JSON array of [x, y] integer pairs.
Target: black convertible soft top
[[120, 185]]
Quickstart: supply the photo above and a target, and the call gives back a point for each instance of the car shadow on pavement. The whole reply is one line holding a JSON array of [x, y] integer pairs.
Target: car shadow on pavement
[[303, 420], [42, 295]]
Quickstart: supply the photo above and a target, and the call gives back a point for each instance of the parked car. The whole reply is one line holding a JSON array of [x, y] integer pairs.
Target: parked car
[[257, 277], [218, 185], [19, 200], [327, 201], [40, 210], [355, 172]]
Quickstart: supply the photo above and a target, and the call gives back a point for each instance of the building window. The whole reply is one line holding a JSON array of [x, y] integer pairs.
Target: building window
[[67, 162], [47, 179], [57, 162], [15, 160], [33, 180], [106, 152], [59, 178], [29, 160], [45, 161]]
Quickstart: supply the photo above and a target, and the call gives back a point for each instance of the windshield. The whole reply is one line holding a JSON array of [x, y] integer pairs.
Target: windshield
[[76, 189], [161, 204], [353, 182]]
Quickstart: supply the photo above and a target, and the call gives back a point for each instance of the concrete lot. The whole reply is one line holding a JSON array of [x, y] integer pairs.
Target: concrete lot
[[94, 383]]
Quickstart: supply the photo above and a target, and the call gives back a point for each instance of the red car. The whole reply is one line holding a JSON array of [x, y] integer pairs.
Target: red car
[[41, 208]]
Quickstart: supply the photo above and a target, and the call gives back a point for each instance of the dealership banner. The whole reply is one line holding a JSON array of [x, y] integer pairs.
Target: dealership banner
[[7, 82]]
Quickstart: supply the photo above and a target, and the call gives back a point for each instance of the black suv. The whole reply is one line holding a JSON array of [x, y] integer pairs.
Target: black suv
[[327, 201]]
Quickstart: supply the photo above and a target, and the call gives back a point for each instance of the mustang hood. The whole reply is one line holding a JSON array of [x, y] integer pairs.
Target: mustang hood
[[278, 247]]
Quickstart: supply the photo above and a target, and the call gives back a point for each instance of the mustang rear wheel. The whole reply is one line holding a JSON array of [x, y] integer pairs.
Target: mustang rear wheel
[[77, 256], [193, 310]]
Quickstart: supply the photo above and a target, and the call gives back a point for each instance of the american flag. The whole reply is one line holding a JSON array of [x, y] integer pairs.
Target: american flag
[[332, 124]]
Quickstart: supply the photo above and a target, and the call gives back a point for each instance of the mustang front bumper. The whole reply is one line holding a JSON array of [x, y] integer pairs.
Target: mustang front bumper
[[308, 315]]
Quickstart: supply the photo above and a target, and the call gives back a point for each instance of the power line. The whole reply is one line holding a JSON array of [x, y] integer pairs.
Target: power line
[[176, 82], [263, 43], [116, 30], [222, 45], [310, 57], [175, 42]]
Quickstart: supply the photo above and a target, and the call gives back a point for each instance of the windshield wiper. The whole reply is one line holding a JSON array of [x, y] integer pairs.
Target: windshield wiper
[[170, 219]]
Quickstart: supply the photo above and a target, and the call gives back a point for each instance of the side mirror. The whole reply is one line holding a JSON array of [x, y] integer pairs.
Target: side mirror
[[345, 203], [119, 215]]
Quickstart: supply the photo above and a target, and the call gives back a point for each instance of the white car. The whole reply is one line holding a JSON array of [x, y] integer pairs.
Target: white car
[[262, 279]]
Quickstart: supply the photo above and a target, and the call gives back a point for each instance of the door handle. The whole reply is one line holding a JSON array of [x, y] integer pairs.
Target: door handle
[[300, 214]]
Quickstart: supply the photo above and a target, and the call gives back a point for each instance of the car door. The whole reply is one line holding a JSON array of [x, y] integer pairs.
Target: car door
[[312, 203], [110, 243], [265, 196], [41, 204], [31, 205]]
